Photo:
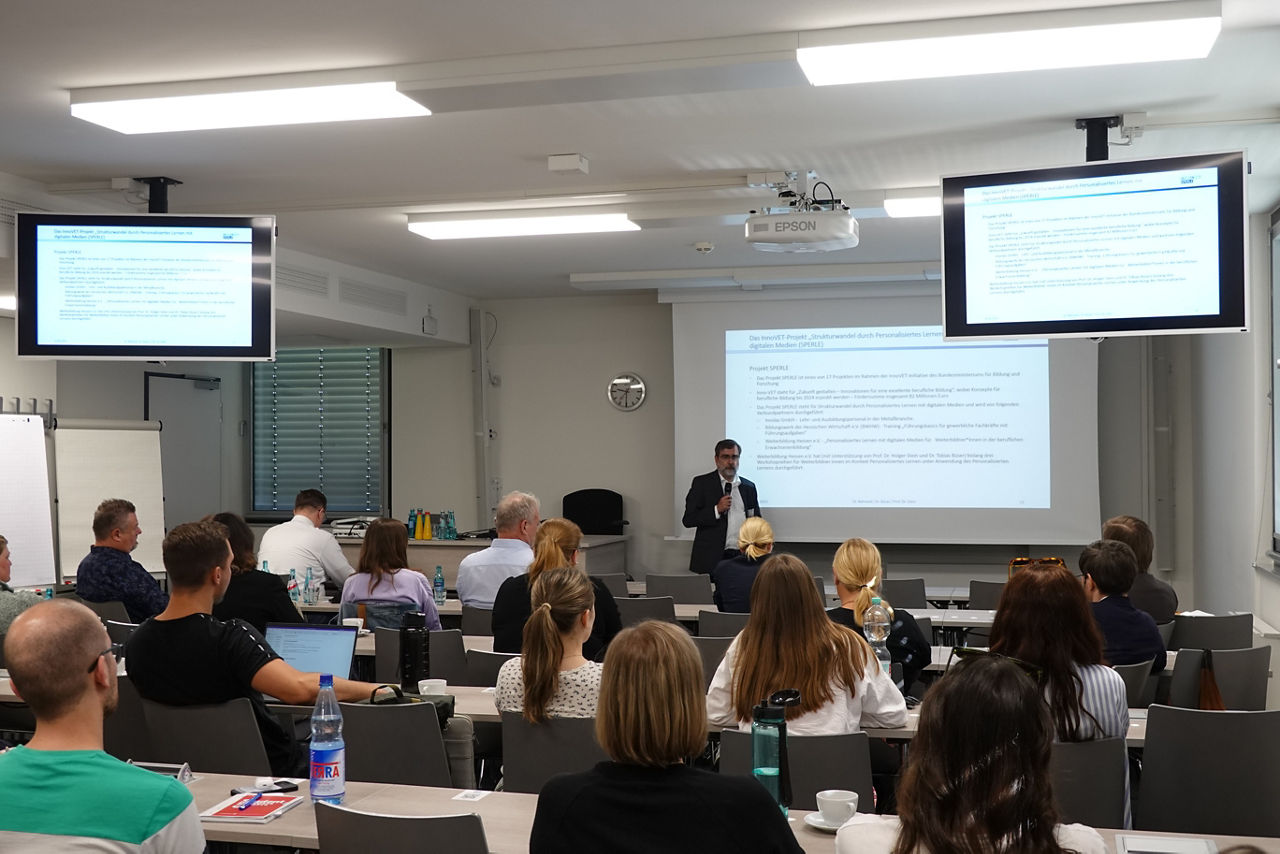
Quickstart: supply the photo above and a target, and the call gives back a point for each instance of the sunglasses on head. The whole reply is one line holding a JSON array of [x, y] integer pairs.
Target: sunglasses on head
[[1018, 563], [969, 653]]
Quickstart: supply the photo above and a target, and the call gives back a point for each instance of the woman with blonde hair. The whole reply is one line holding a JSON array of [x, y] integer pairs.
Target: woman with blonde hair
[[552, 678], [734, 576], [858, 573], [383, 582], [555, 546], [789, 642], [651, 720]]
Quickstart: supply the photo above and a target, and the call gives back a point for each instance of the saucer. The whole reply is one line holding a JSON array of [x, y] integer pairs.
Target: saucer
[[815, 819]]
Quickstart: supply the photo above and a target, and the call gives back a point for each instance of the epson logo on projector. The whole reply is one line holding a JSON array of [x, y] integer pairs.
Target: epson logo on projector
[[796, 225]]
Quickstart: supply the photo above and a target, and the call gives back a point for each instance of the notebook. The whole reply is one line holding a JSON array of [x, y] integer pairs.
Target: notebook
[[314, 648]]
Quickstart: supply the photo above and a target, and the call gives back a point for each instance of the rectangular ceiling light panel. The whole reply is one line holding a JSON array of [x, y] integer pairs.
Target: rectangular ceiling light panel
[[341, 103], [526, 226], [1027, 47]]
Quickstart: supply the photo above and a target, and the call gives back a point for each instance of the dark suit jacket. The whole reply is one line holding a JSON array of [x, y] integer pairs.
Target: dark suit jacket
[[733, 578], [1152, 595], [1128, 635], [700, 512]]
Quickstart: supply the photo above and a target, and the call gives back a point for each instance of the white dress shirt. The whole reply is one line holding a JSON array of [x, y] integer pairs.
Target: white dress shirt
[[737, 513], [481, 573], [298, 544]]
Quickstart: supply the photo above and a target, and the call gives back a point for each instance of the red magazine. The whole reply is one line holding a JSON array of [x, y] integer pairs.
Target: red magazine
[[253, 808]]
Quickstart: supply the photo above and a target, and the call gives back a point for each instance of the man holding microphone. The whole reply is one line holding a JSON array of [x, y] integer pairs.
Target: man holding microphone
[[717, 504]]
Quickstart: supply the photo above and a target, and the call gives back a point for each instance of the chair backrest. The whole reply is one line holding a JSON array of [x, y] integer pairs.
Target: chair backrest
[[124, 732], [113, 610], [904, 592], [984, 595], [534, 753], [719, 624], [222, 738], [1241, 675], [817, 762], [395, 744], [119, 632], [1228, 631], [596, 511], [344, 831], [377, 615], [477, 621], [386, 655], [925, 624], [711, 650], [1166, 632], [615, 583], [821, 584], [483, 666], [448, 656], [1135, 680], [1089, 781], [691, 588], [636, 609], [1232, 756]]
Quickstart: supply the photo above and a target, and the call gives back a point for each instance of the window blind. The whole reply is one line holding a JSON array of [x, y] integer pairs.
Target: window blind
[[318, 424]]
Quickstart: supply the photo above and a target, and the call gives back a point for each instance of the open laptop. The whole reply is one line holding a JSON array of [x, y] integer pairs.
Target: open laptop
[[314, 648]]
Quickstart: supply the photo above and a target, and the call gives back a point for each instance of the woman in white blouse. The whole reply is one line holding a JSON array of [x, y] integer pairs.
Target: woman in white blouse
[[552, 678], [789, 642]]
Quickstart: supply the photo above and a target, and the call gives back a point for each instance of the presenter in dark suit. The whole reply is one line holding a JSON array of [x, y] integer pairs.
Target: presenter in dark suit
[[717, 504]]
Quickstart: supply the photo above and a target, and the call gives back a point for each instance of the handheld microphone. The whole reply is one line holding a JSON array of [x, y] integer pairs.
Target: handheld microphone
[[728, 488]]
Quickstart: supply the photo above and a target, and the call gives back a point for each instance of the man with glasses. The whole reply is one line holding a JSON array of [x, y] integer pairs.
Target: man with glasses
[[61, 791], [482, 573], [717, 504]]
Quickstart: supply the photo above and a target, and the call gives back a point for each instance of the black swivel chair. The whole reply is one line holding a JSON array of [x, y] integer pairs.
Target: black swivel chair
[[595, 511]]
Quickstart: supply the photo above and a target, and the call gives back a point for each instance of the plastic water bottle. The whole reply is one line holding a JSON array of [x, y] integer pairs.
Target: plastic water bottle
[[875, 625], [264, 565], [293, 586], [328, 750], [437, 586], [767, 731], [307, 589]]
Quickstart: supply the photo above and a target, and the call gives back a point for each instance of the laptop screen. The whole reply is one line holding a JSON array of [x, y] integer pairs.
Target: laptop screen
[[314, 648]]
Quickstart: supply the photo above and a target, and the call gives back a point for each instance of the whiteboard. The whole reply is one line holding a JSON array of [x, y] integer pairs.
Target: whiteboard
[[25, 518], [102, 460]]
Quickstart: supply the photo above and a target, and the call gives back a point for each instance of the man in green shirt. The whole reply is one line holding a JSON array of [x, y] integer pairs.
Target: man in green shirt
[[62, 792]]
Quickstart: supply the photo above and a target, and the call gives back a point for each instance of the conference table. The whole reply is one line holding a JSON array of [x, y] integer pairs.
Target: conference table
[[685, 613], [507, 817]]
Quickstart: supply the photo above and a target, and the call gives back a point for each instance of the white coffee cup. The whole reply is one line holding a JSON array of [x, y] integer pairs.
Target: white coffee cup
[[432, 686], [353, 622], [837, 805]]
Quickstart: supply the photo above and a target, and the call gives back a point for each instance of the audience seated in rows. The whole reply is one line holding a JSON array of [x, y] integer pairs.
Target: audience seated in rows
[[12, 602], [185, 656], [857, 570], [384, 583], [977, 775], [652, 718], [555, 546], [1148, 593], [1044, 618], [301, 542], [552, 678], [256, 597], [1107, 568], [61, 791], [481, 573], [108, 574], [734, 576]]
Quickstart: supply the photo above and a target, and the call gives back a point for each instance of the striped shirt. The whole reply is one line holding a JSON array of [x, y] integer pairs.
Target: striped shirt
[[1105, 698]]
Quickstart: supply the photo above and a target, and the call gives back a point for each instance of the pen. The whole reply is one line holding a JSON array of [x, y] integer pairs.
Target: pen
[[250, 802]]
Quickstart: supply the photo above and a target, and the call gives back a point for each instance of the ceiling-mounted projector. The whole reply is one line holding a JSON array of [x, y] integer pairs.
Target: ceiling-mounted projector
[[803, 231]]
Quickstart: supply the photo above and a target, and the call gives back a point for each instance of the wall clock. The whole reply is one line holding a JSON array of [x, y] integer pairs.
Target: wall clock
[[626, 391]]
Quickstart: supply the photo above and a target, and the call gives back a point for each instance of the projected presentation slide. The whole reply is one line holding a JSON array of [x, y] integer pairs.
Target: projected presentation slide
[[1111, 246], [144, 285], [890, 417]]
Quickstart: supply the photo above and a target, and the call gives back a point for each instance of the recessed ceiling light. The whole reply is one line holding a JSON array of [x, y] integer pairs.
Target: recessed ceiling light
[[340, 103], [524, 226]]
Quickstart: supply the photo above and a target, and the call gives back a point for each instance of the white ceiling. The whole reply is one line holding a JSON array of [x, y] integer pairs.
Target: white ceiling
[[342, 190]]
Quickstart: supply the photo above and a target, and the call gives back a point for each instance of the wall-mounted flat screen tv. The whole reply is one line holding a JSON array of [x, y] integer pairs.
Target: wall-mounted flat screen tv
[[145, 286], [1132, 247]]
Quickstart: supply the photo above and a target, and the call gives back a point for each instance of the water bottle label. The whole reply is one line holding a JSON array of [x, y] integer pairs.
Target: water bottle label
[[328, 772]]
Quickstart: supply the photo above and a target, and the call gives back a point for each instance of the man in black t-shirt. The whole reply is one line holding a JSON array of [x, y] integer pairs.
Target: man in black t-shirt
[[184, 656]]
